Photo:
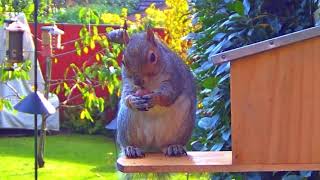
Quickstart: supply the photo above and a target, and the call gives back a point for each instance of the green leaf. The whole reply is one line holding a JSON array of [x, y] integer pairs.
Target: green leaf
[[219, 36], [237, 7], [82, 12], [88, 116], [204, 67], [306, 174], [1, 104], [58, 88], [247, 6], [110, 88], [208, 122], [4, 103], [224, 78], [77, 45], [78, 52], [91, 98], [217, 147], [196, 145], [101, 104], [67, 90], [8, 105], [210, 82], [226, 135], [82, 114], [225, 67], [95, 30]]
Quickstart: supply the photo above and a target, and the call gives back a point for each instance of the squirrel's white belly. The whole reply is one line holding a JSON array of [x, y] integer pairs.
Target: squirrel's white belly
[[160, 125]]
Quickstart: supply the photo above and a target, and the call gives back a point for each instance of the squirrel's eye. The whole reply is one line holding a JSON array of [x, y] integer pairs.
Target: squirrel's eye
[[152, 57]]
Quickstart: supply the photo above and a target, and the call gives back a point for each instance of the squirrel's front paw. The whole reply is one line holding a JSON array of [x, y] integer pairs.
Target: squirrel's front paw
[[133, 152], [175, 150], [138, 103]]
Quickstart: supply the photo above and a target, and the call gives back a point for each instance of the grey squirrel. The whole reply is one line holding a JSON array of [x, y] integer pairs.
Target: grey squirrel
[[158, 99]]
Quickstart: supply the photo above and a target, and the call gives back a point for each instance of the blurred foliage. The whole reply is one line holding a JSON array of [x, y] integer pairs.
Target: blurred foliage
[[45, 13], [115, 18], [57, 10], [131, 5], [21, 71], [223, 25], [71, 14], [71, 122], [103, 72], [174, 20]]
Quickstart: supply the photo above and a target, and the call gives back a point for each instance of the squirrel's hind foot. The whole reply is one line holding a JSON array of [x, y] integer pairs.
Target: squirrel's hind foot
[[175, 150], [133, 152]]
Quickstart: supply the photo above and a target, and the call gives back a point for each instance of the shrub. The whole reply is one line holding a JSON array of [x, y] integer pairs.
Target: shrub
[[71, 14], [71, 122], [175, 21], [225, 25]]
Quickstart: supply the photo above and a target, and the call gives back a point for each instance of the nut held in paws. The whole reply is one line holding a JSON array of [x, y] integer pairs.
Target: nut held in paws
[[142, 92]]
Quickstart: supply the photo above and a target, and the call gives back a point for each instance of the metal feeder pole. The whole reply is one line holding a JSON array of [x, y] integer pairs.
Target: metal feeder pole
[[35, 103], [35, 88]]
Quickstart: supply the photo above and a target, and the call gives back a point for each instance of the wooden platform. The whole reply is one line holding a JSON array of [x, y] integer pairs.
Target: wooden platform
[[201, 162]]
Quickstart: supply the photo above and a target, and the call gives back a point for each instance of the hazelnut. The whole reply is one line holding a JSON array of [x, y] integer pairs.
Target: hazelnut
[[142, 92]]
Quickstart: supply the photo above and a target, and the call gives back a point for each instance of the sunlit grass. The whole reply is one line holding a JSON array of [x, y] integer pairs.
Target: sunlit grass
[[67, 157]]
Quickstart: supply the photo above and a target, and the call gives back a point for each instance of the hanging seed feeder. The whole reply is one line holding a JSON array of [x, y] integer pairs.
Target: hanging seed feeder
[[14, 43]]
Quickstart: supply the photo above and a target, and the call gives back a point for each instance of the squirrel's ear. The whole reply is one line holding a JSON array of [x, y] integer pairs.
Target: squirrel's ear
[[118, 36], [125, 37], [150, 37]]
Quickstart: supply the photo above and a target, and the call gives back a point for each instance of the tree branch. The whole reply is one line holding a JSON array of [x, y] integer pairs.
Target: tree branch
[[13, 90]]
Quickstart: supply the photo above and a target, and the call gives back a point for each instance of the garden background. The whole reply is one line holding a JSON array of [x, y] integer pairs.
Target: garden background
[[88, 83]]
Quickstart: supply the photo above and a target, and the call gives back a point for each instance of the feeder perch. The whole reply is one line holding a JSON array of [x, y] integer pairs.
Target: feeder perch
[[275, 115], [14, 44]]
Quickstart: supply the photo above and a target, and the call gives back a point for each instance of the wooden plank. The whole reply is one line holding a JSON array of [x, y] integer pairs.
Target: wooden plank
[[201, 162], [275, 105], [266, 45]]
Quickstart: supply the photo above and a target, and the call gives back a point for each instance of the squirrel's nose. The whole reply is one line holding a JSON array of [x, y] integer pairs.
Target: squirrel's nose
[[138, 82]]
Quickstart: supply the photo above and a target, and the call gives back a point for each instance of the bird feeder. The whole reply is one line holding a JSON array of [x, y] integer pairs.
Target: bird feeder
[[14, 43], [51, 39], [275, 115]]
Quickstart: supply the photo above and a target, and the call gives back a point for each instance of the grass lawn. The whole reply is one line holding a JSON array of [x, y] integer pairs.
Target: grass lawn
[[67, 157]]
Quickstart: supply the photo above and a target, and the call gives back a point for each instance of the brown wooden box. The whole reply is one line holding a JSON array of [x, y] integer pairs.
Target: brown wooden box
[[275, 100]]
